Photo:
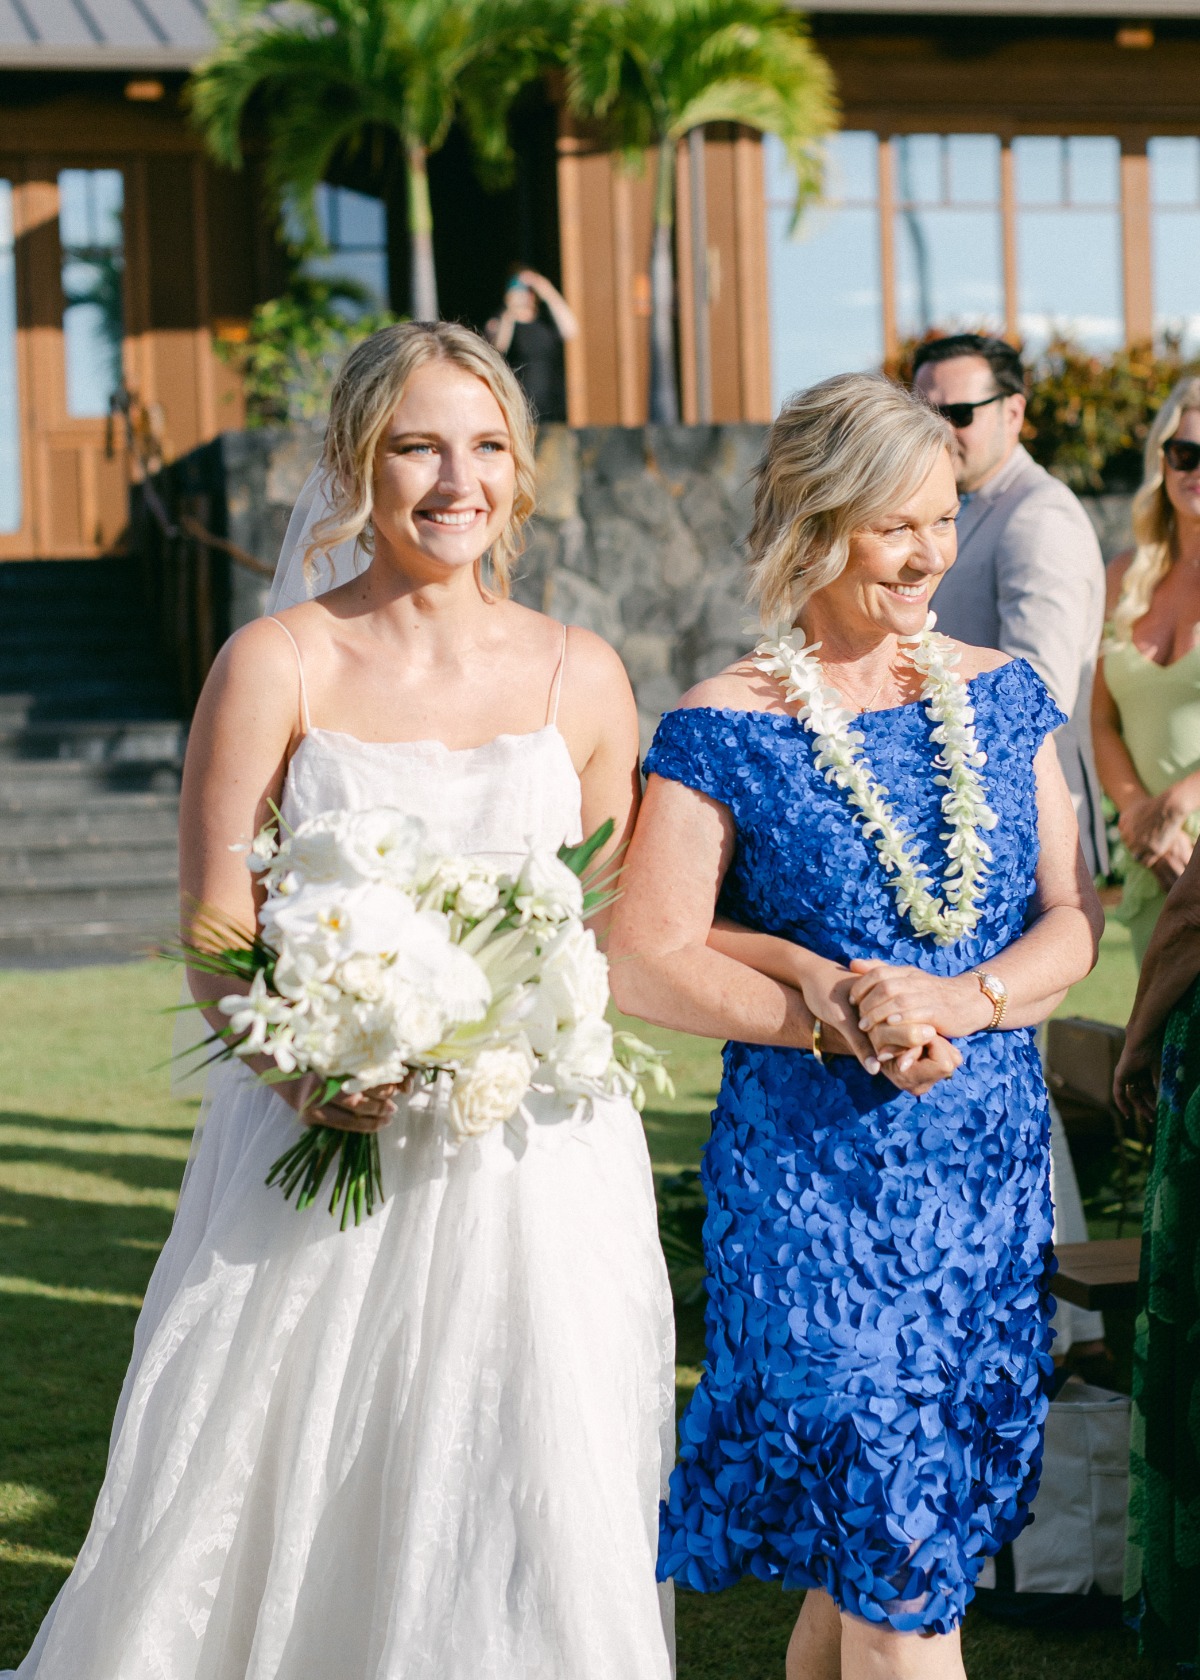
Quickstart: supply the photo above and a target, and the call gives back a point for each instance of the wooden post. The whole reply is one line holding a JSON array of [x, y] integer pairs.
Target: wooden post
[[686, 284], [571, 259], [887, 245], [698, 217], [1135, 241], [1008, 236], [631, 400], [750, 213]]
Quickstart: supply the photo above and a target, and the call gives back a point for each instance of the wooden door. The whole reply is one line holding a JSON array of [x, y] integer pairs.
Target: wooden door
[[70, 355]]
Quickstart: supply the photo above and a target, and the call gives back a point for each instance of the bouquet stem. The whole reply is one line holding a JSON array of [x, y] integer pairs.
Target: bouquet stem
[[304, 1167]]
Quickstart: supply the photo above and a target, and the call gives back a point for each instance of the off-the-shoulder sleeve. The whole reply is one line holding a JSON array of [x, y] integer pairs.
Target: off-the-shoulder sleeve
[[1042, 713], [686, 748]]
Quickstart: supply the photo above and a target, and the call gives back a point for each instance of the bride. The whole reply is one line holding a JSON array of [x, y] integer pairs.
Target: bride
[[430, 1447]]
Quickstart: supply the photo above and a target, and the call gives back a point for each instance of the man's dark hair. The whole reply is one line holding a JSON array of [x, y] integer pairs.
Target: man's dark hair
[[1007, 368]]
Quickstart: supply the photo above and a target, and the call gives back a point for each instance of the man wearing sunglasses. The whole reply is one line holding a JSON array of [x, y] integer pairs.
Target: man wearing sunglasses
[[1029, 579]]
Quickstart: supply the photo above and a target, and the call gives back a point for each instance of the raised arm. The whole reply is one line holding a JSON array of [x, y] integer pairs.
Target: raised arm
[[561, 312]]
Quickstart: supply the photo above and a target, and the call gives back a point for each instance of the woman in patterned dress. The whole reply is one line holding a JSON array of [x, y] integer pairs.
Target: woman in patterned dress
[[863, 870]]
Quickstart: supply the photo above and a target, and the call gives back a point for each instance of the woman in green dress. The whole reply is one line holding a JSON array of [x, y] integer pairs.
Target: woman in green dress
[[1146, 699], [1162, 1559]]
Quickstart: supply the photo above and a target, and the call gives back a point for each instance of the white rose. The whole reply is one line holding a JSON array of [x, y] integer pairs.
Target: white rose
[[581, 1058], [417, 1021], [547, 891], [574, 975], [364, 977], [385, 845], [490, 1090], [475, 897]]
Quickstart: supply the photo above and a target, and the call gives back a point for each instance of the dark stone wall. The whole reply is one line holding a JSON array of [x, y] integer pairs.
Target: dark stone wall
[[638, 536]]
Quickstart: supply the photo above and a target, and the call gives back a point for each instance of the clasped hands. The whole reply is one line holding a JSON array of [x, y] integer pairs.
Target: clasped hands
[[895, 1020], [1153, 832]]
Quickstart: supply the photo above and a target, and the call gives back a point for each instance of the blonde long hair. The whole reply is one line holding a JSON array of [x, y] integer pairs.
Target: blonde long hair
[[839, 455], [1154, 527], [362, 403]]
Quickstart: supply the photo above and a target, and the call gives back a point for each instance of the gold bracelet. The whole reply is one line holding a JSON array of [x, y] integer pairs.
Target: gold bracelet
[[816, 1039]]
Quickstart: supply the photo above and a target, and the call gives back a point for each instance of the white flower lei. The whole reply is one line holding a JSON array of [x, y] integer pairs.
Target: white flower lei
[[839, 754]]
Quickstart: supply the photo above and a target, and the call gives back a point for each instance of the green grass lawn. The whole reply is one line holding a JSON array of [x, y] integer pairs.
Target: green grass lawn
[[92, 1147]]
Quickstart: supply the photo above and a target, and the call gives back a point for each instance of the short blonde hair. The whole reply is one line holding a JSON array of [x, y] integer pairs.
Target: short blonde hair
[[1154, 526], [839, 455], [364, 398]]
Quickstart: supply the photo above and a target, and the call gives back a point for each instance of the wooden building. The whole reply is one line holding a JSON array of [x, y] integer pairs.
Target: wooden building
[[1027, 165]]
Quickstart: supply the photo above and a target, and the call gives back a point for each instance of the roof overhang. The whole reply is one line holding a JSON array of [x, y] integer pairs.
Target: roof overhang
[[117, 59]]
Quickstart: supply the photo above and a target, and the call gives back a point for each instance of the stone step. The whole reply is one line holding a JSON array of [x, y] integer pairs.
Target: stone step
[[73, 863], [96, 940], [100, 819], [129, 741], [87, 873]]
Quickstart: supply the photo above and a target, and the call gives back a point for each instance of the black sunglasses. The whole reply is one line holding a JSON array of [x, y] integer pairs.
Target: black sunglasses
[[1182, 455], [962, 415]]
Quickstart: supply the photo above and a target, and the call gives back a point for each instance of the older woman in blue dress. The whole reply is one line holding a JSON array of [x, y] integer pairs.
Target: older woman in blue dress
[[858, 862]]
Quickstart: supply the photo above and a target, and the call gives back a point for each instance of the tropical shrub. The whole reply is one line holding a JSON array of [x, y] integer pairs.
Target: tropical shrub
[[294, 346]]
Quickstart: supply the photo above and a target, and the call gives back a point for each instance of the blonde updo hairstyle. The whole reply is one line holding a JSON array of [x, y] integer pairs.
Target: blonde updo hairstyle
[[840, 454], [1154, 527], [364, 398]]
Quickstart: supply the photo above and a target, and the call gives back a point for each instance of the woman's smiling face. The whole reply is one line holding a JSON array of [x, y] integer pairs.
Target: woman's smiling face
[[894, 566], [444, 472]]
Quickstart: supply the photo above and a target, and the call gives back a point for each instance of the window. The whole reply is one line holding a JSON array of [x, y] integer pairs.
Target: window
[[1175, 237], [1069, 239], [10, 437], [949, 242], [90, 233], [354, 228], [825, 291]]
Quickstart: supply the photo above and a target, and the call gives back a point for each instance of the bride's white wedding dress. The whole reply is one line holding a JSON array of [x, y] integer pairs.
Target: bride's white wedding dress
[[430, 1448]]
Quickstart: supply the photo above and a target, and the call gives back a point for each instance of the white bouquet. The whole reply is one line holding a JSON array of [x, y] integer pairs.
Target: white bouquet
[[379, 962]]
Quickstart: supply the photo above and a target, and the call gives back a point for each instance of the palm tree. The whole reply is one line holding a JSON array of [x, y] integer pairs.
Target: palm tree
[[330, 76], [652, 70]]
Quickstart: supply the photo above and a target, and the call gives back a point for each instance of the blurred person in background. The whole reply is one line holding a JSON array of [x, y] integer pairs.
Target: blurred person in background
[[1029, 580], [530, 331], [1146, 701], [1162, 1561]]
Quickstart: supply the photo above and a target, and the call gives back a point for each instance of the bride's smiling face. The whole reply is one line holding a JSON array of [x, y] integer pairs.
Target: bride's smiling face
[[895, 565], [444, 473]]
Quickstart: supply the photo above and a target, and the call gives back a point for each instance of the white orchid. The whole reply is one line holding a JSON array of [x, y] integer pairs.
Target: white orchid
[[254, 1014]]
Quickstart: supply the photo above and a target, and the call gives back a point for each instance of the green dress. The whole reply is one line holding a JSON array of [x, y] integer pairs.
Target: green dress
[[1159, 707], [1162, 1556]]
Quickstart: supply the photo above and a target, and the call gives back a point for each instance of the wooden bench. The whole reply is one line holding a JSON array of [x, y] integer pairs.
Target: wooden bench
[[1098, 1275]]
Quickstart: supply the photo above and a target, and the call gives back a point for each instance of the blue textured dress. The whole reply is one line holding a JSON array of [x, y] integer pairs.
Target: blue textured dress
[[869, 1417]]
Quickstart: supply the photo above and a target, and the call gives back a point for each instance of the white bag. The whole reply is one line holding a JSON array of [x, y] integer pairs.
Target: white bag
[[1076, 1543]]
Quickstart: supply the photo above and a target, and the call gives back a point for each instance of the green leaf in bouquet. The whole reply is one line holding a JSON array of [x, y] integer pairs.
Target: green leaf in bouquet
[[578, 857], [641, 1062]]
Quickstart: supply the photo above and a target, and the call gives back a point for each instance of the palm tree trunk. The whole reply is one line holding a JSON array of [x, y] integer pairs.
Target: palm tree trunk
[[423, 298], [664, 392]]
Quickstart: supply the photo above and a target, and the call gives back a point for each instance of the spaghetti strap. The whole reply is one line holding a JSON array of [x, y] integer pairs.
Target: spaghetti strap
[[299, 670], [556, 686]]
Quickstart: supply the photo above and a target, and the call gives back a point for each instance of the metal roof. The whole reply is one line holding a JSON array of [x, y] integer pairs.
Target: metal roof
[[103, 34], [173, 34]]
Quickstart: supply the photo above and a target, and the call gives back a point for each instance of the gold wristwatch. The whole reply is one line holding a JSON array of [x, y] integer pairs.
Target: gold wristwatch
[[996, 992]]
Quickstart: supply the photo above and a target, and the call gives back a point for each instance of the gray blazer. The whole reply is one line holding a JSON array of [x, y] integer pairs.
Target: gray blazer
[[1029, 580]]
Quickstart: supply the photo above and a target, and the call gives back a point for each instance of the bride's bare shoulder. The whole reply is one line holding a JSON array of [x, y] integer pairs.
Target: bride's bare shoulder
[[740, 687]]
